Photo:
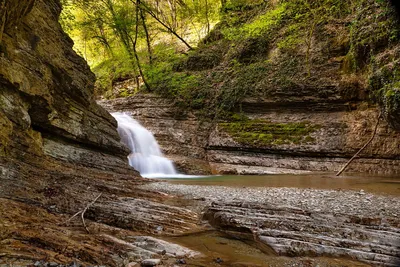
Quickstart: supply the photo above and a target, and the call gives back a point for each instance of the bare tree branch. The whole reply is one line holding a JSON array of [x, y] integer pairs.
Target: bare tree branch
[[361, 149]]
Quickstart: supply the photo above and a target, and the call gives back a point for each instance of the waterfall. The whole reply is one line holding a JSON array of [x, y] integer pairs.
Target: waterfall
[[145, 156]]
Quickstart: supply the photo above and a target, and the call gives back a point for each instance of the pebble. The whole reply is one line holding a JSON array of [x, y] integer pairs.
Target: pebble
[[339, 201], [218, 260], [150, 262], [180, 261], [55, 264]]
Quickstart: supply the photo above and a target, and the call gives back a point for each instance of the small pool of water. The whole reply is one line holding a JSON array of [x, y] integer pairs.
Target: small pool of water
[[214, 245], [369, 183]]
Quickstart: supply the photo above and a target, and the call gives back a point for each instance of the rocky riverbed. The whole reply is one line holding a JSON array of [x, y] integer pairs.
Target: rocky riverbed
[[302, 222]]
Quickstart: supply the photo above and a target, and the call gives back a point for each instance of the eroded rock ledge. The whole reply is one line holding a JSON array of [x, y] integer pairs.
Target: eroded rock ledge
[[304, 222], [296, 232]]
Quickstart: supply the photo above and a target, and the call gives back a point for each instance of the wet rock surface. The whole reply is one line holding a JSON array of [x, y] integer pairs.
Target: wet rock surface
[[337, 136], [304, 222]]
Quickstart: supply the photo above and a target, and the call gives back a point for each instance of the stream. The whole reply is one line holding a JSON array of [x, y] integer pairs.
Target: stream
[[232, 252]]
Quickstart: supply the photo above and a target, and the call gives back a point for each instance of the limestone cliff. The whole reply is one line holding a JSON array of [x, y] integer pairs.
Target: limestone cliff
[[47, 107], [59, 150], [322, 55], [265, 138]]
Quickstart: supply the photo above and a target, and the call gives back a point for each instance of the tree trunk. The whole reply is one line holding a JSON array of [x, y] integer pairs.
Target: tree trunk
[[172, 7], [104, 39], [207, 18], [134, 46], [151, 13], [148, 42], [125, 38]]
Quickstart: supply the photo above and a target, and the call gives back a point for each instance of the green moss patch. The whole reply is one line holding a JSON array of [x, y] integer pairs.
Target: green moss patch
[[265, 133]]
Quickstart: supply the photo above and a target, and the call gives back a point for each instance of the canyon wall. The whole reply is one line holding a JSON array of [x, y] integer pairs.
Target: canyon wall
[[48, 113], [60, 151], [283, 87], [269, 137]]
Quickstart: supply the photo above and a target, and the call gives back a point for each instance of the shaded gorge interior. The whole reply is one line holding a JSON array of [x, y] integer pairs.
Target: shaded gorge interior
[[271, 98]]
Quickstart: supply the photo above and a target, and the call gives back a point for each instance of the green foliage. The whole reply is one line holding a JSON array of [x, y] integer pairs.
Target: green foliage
[[264, 23], [169, 83], [240, 5], [116, 68], [252, 29], [105, 32], [260, 26], [264, 133], [292, 37], [385, 85], [370, 34], [260, 48]]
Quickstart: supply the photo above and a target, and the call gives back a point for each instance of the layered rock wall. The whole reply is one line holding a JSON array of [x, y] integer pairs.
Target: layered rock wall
[[59, 150], [331, 134], [48, 113]]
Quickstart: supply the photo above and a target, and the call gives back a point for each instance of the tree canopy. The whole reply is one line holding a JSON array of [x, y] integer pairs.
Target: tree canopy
[[122, 38]]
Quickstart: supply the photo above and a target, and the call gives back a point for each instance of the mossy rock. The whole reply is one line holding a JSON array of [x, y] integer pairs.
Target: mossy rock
[[262, 133]]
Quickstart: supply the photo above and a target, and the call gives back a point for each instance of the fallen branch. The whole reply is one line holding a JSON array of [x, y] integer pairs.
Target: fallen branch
[[359, 151], [82, 213]]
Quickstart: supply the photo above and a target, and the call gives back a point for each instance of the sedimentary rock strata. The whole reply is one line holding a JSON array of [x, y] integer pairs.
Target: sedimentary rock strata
[[333, 135], [59, 150], [303, 222]]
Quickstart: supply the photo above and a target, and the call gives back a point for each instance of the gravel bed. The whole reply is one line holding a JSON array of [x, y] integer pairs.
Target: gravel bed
[[317, 200]]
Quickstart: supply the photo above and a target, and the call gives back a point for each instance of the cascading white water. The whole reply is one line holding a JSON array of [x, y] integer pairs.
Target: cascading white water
[[146, 156]]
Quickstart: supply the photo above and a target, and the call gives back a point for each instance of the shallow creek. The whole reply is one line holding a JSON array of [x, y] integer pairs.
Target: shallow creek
[[214, 245]]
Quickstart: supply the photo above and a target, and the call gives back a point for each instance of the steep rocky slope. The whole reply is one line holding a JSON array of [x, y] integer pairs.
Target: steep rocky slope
[[59, 150], [324, 55]]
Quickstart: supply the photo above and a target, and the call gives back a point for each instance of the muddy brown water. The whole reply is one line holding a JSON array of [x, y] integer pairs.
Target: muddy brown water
[[370, 183], [214, 245], [221, 250]]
